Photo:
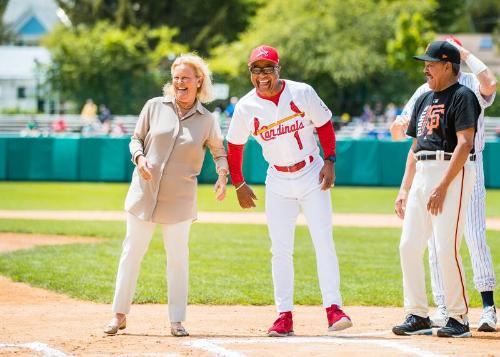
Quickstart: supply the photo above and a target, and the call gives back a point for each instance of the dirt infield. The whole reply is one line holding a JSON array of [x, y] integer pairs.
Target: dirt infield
[[36, 322], [339, 219]]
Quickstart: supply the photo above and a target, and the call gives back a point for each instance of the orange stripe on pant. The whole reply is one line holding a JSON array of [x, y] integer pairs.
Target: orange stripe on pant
[[456, 241]]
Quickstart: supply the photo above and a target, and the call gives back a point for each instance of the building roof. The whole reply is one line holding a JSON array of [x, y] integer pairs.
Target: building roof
[[19, 62], [31, 19], [483, 47]]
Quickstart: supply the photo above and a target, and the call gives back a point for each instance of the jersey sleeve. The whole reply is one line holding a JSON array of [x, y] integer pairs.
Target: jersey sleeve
[[318, 111], [408, 109], [467, 110], [470, 81], [238, 131]]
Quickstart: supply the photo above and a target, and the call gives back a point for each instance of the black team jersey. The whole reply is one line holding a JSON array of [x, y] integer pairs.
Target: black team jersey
[[437, 116]]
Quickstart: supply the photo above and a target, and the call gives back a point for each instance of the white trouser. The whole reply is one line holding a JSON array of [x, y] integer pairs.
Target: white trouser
[[475, 237], [135, 245], [286, 193], [447, 228]]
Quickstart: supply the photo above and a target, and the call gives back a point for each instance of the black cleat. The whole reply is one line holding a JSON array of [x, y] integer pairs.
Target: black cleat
[[454, 328], [414, 325]]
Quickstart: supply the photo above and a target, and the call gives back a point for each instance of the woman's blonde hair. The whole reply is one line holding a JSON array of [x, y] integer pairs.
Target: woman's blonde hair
[[205, 93]]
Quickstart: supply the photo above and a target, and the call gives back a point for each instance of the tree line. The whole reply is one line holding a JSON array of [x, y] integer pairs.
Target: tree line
[[352, 51]]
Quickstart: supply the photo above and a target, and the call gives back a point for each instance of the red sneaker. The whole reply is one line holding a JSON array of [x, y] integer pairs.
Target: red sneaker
[[283, 326], [337, 319]]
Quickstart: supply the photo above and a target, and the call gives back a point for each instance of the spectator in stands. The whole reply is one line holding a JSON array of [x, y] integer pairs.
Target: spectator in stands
[[230, 107], [119, 129], [104, 114], [92, 129], [32, 128], [168, 148], [367, 116], [59, 126], [89, 112], [345, 118], [498, 132], [106, 128], [390, 113]]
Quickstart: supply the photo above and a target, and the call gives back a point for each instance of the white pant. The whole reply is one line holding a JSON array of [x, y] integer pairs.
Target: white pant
[[475, 237], [447, 228], [286, 193], [135, 245]]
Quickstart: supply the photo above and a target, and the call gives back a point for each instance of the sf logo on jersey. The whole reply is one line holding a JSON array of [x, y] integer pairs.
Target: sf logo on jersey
[[429, 119], [273, 130]]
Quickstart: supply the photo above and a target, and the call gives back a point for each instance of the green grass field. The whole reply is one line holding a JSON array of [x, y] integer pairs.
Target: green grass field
[[110, 196], [229, 264]]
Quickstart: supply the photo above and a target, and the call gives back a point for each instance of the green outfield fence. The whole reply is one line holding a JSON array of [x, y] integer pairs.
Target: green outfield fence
[[364, 162]]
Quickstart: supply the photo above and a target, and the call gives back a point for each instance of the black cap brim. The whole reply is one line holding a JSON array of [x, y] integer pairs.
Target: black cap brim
[[426, 58]]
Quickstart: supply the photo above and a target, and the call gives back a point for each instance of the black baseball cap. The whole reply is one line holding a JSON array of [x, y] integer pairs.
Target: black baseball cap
[[439, 51]]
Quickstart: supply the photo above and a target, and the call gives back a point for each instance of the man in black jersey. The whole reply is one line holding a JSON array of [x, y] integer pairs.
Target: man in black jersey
[[435, 191]]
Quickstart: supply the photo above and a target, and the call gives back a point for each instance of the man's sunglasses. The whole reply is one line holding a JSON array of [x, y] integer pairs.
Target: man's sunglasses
[[265, 70]]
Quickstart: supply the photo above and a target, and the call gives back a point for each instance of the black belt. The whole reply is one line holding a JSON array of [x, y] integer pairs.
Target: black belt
[[446, 157]]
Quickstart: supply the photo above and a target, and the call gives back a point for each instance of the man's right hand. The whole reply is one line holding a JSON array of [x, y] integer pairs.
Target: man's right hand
[[246, 196], [144, 168], [400, 204]]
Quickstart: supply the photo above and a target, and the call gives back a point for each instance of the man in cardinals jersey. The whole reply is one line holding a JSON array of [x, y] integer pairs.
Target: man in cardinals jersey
[[282, 116]]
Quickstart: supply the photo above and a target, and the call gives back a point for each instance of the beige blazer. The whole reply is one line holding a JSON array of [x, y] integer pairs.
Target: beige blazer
[[154, 137]]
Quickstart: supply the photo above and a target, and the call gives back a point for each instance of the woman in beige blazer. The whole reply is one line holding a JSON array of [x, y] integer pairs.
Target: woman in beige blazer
[[168, 147]]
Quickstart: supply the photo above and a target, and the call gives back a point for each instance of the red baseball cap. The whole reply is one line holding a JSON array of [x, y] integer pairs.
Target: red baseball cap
[[264, 52], [454, 39]]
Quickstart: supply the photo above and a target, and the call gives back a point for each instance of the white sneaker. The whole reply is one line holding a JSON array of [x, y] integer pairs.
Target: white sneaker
[[488, 320], [440, 317]]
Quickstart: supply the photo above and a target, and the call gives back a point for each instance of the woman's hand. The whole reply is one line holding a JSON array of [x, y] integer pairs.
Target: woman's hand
[[144, 168], [220, 187]]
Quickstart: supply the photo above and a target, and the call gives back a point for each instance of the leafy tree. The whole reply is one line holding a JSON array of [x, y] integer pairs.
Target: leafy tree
[[5, 35], [338, 46], [118, 67], [451, 16], [485, 15], [413, 34], [454, 16], [202, 24]]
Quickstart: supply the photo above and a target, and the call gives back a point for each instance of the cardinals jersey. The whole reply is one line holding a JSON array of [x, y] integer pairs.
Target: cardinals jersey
[[285, 131]]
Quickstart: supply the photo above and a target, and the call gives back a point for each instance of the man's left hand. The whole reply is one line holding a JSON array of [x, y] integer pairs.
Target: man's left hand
[[327, 175], [436, 200]]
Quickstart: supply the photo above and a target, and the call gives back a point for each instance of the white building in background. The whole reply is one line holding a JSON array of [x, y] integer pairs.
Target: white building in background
[[21, 79], [22, 62], [30, 20]]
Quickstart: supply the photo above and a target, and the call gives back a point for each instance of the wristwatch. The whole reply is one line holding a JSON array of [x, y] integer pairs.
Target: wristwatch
[[331, 158]]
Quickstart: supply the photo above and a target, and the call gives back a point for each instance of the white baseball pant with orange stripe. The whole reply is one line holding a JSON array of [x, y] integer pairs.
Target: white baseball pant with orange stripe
[[447, 228]]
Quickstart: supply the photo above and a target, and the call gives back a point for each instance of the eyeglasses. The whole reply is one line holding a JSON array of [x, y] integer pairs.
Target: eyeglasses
[[265, 70]]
